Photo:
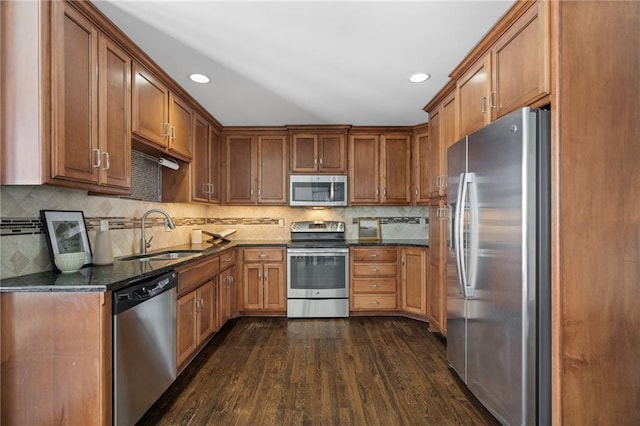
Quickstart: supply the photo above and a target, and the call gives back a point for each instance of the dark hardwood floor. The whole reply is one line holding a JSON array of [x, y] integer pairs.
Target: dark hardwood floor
[[356, 371]]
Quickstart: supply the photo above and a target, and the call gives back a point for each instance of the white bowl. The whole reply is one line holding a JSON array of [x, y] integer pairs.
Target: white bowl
[[69, 262]]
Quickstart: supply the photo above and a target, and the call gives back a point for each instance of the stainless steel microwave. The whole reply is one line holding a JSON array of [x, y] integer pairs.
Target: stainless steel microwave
[[317, 190]]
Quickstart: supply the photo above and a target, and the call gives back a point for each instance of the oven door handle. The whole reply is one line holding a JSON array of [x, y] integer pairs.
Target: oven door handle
[[318, 252]]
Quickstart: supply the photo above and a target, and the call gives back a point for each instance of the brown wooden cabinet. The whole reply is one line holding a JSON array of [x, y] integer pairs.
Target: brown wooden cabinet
[[443, 132], [473, 91], [205, 167], [256, 168], [374, 279], [380, 168], [160, 118], [263, 279], [436, 269], [226, 288], [420, 158], [196, 313], [520, 62], [56, 358], [318, 150], [91, 83], [414, 280]]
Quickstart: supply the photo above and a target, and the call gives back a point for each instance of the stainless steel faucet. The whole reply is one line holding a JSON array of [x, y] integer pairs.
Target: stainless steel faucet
[[144, 244]]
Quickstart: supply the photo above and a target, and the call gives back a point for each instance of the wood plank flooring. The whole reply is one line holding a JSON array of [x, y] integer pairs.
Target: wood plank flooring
[[356, 371]]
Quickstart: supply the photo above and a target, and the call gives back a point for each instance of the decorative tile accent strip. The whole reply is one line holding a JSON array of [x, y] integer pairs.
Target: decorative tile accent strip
[[34, 226], [395, 220], [21, 226]]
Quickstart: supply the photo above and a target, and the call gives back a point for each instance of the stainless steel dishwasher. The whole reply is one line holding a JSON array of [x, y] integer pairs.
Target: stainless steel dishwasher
[[144, 345]]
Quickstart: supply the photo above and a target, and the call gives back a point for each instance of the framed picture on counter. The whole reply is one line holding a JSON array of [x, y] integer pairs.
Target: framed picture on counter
[[66, 233], [369, 229]]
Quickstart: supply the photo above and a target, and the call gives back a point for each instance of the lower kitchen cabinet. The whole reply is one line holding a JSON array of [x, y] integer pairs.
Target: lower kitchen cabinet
[[196, 311], [196, 319], [56, 358], [436, 267], [226, 288], [414, 281], [374, 279], [263, 280]]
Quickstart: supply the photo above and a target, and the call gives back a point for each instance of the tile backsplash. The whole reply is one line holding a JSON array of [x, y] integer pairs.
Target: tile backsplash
[[23, 246]]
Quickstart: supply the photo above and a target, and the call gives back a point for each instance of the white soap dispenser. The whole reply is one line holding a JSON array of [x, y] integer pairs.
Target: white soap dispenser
[[103, 253]]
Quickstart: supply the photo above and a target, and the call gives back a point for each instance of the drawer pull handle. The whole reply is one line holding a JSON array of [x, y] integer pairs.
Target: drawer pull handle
[[262, 256], [375, 270], [374, 286], [375, 302], [374, 255]]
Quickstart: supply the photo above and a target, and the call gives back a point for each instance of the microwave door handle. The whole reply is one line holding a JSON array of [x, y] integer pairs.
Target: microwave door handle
[[332, 192]]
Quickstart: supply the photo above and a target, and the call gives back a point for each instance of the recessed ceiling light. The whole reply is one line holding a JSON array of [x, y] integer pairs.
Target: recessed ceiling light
[[419, 77], [200, 78]]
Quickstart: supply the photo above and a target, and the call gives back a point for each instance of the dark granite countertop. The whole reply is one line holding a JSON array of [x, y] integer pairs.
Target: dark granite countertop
[[118, 275], [391, 242]]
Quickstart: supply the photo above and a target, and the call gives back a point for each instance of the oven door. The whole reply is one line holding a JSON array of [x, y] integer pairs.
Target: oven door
[[317, 273]]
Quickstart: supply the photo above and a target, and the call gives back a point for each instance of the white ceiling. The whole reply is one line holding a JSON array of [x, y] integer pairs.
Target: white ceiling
[[308, 62]]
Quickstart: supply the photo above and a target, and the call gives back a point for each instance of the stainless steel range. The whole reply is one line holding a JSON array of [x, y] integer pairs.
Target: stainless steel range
[[317, 270]]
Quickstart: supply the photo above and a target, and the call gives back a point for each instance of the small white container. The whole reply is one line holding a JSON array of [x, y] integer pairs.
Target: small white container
[[69, 262], [196, 236]]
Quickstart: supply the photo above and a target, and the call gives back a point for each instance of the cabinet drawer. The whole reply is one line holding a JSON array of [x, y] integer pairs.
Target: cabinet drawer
[[375, 270], [373, 285], [375, 302], [375, 254], [227, 259], [263, 255], [192, 275]]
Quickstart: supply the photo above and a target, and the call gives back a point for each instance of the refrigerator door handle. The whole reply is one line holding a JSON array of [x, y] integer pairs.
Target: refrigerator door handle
[[458, 227], [470, 182]]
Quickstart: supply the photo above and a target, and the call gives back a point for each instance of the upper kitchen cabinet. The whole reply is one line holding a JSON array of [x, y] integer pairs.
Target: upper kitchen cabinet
[[443, 132], [380, 167], [513, 71], [205, 167], [160, 118], [69, 87], [520, 62], [319, 150], [256, 168], [420, 164]]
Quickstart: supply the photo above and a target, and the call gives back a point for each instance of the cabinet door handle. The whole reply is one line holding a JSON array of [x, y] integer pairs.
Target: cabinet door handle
[[384, 192], [173, 132], [98, 158], [315, 160], [482, 102], [166, 129], [403, 264], [321, 161], [377, 192], [492, 99], [107, 161], [417, 191], [205, 188], [252, 192]]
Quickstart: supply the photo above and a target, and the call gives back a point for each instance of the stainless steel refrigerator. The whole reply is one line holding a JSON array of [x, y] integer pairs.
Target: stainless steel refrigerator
[[498, 255]]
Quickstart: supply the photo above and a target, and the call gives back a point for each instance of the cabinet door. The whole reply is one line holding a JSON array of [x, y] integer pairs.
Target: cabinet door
[[180, 134], [396, 169], [272, 170], [252, 288], [186, 327], [74, 81], [474, 88], [420, 158], [206, 306], [364, 169], [304, 153], [115, 112], [520, 62], [436, 298], [241, 164], [150, 107], [224, 296], [448, 136], [332, 154], [414, 281], [435, 154], [274, 287], [214, 165], [200, 164]]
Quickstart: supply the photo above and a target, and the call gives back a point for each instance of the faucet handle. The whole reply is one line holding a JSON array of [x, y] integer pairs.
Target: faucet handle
[[148, 243]]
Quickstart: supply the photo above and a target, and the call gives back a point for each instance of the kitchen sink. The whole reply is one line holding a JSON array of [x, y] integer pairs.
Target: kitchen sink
[[165, 255]]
